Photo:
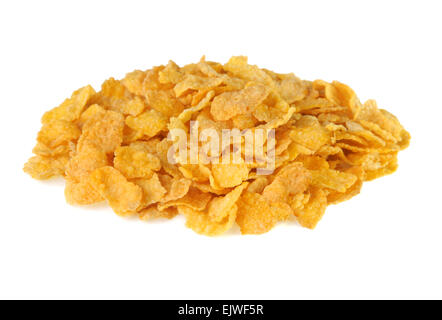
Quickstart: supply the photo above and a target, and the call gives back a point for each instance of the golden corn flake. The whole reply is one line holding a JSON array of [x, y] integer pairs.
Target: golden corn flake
[[83, 163], [71, 108], [230, 174], [219, 206], [239, 67], [200, 221], [258, 185], [62, 149], [78, 187], [149, 123], [310, 214], [104, 133], [229, 104], [332, 179], [123, 196], [257, 215], [58, 132], [164, 101], [134, 82], [309, 133], [115, 145], [135, 163], [194, 199], [176, 188], [193, 82], [170, 74], [153, 190], [81, 193], [152, 212], [41, 168], [290, 180]]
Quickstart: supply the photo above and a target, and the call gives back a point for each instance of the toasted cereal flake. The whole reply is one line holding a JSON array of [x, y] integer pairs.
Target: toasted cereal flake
[[332, 179], [279, 121], [71, 108], [84, 162], [244, 121], [45, 151], [309, 133], [58, 132], [347, 97], [229, 104], [258, 185], [134, 106], [200, 222], [230, 174], [313, 210], [150, 122], [164, 101], [152, 212], [135, 163], [134, 82], [78, 187], [290, 180], [334, 197], [313, 162], [104, 133], [193, 82], [176, 188], [149, 146], [187, 114], [298, 201], [114, 145], [153, 190], [195, 172], [194, 199], [220, 206], [256, 215], [42, 168], [162, 149], [389, 165], [206, 187], [92, 113], [114, 96], [292, 89], [239, 67], [81, 193], [123, 196], [170, 74], [151, 80]]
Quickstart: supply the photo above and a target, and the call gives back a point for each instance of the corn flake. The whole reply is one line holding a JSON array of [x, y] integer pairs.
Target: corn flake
[[123, 196]]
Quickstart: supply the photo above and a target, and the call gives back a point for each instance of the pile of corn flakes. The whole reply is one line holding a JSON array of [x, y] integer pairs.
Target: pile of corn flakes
[[113, 145]]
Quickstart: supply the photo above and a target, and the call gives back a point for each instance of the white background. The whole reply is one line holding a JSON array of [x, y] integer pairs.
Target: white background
[[384, 243]]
